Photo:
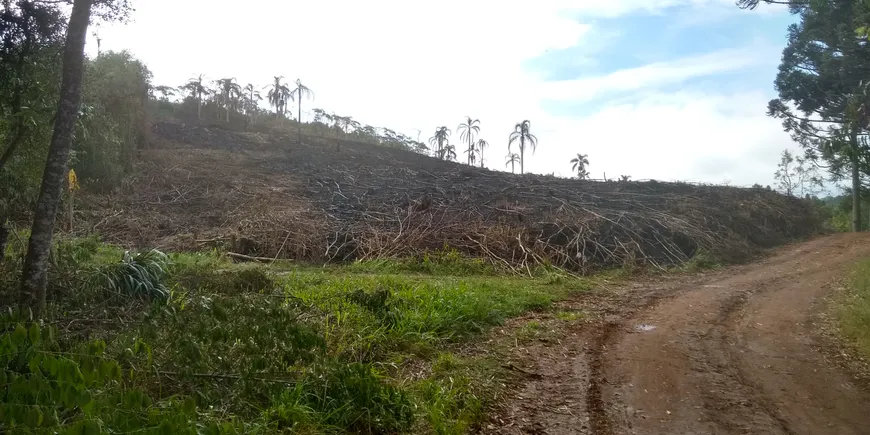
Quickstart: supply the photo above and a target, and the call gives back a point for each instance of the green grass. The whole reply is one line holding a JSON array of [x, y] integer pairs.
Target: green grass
[[701, 261], [853, 310], [278, 347]]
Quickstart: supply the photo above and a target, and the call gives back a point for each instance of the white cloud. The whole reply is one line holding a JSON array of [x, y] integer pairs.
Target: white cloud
[[683, 136], [409, 65], [658, 74]]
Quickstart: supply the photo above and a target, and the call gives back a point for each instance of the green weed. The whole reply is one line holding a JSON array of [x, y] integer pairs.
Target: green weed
[[442, 262], [531, 330], [266, 348], [701, 261], [570, 316], [853, 311], [139, 275]]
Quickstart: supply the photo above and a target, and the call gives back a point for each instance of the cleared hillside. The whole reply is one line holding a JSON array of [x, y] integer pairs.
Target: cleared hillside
[[267, 195]]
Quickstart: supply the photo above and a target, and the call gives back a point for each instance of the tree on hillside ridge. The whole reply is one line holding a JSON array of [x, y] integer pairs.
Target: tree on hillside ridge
[[523, 137], [467, 130], [512, 159], [442, 135], [449, 152], [481, 144], [197, 91], [472, 155], [796, 176], [298, 93], [231, 91], [278, 96], [579, 164], [252, 102]]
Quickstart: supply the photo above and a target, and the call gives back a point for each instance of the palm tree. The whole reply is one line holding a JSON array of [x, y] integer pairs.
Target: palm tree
[[230, 91], [578, 164], [512, 160], [525, 138], [197, 90], [442, 134], [253, 99], [300, 91], [449, 152], [345, 123], [467, 130], [278, 96], [624, 178], [216, 98], [165, 92], [481, 144], [472, 157]]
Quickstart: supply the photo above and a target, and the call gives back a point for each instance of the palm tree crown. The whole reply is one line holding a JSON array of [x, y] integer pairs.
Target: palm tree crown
[[467, 131], [278, 96], [523, 137], [481, 144], [442, 135], [230, 91], [197, 90], [298, 93], [578, 164], [449, 152], [512, 160]]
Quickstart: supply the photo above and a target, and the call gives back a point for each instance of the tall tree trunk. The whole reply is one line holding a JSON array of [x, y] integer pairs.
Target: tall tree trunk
[[856, 180], [470, 150], [199, 108], [4, 234], [253, 110], [522, 155], [299, 119], [35, 273]]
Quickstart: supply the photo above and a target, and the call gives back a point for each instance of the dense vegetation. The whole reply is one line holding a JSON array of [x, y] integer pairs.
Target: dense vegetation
[[191, 343], [823, 99], [853, 310]]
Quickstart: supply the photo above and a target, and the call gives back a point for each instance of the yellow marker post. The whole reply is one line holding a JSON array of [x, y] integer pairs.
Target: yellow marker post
[[72, 186]]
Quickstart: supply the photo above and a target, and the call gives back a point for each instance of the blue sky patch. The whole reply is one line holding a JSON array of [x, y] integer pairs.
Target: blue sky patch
[[640, 38]]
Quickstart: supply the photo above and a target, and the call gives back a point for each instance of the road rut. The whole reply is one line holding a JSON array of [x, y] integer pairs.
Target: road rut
[[736, 352]]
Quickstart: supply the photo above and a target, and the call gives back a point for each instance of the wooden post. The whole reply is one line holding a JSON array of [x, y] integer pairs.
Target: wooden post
[[72, 186]]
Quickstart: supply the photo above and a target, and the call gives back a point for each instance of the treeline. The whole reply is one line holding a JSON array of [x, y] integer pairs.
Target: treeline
[[242, 107], [823, 102]]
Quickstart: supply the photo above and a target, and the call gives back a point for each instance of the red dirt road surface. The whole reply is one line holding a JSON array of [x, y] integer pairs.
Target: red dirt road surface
[[735, 352]]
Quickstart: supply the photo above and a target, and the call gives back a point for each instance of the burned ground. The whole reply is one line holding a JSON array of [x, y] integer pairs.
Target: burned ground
[[265, 194]]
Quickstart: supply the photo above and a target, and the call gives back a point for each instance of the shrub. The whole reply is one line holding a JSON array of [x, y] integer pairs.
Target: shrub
[[47, 389], [139, 275], [350, 397]]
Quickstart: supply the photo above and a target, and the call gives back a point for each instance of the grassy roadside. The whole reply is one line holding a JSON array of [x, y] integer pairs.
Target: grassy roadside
[[853, 310], [373, 347]]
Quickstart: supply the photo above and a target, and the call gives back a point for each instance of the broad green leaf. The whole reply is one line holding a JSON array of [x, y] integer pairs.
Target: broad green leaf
[[19, 335], [34, 334], [189, 406]]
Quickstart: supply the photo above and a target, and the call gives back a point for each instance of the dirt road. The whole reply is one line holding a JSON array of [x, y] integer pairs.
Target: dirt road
[[735, 352]]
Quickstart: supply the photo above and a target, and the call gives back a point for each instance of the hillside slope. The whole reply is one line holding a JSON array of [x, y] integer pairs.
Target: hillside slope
[[268, 195]]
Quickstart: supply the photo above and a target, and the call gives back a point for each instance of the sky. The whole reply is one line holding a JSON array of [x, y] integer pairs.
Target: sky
[[655, 89]]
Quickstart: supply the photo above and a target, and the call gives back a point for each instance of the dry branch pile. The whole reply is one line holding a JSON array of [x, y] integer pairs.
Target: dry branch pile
[[271, 197]]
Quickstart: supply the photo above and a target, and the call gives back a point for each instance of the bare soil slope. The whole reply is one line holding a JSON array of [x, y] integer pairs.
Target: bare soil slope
[[736, 352], [265, 194]]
